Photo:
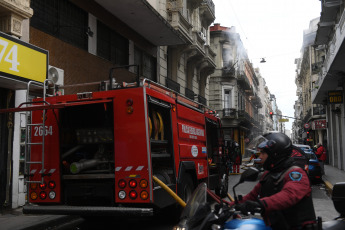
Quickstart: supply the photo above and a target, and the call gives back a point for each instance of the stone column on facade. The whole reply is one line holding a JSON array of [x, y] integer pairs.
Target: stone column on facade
[[193, 58], [13, 12], [204, 70], [176, 54]]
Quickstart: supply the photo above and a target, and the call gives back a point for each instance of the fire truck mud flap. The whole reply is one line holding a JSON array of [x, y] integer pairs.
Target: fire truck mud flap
[[87, 210]]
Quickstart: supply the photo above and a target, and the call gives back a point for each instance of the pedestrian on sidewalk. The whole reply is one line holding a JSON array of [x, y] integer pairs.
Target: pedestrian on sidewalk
[[283, 193], [236, 158], [321, 155]]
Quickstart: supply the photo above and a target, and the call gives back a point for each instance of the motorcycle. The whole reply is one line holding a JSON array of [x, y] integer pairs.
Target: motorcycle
[[198, 214], [338, 197]]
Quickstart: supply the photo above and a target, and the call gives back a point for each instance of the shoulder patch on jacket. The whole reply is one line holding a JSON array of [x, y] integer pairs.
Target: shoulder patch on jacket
[[295, 176]]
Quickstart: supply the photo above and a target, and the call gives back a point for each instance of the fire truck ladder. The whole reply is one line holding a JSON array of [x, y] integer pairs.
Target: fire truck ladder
[[29, 125]]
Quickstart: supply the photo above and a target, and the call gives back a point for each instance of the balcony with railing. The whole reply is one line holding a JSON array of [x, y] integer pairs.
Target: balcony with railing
[[228, 72], [172, 85], [243, 80], [199, 41], [230, 113], [210, 56], [207, 9], [202, 100], [189, 94], [180, 19], [316, 67]]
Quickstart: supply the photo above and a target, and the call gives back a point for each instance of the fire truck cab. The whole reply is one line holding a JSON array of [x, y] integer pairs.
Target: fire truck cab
[[95, 153]]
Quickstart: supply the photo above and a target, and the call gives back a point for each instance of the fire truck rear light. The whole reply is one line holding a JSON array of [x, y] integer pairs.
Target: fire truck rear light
[[129, 109], [43, 186], [143, 183], [132, 183], [144, 195], [43, 195], [51, 184], [122, 183], [33, 186], [129, 102], [122, 195], [52, 195], [133, 194], [33, 196]]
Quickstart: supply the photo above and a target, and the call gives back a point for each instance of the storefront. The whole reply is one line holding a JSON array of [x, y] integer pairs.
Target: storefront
[[20, 63]]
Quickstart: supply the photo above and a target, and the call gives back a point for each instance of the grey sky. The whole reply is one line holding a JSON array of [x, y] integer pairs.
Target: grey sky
[[271, 29]]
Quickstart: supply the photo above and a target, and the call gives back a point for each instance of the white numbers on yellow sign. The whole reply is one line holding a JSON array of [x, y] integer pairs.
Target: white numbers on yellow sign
[[10, 53]]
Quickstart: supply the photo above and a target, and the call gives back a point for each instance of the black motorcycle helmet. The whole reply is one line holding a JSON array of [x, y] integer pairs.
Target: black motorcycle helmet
[[278, 146]]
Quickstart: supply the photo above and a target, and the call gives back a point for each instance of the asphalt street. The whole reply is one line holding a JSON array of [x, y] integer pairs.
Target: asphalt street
[[16, 220]]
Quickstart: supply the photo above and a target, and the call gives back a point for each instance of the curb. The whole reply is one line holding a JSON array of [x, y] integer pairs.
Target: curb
[[328, 185], [49, 222]]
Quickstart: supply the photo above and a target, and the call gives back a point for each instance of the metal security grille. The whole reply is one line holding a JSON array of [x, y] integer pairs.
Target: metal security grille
[[111, 45], [61, 19], [147, 64]]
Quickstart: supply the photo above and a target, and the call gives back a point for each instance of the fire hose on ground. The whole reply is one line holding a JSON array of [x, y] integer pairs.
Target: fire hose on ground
[[180, 201]]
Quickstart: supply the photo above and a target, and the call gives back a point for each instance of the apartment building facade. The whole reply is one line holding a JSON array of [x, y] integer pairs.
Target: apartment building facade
[[309, 127], [234, 87], [328, 89]]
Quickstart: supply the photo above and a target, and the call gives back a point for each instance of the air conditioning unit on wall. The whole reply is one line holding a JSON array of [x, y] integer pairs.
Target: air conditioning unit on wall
[[56, 75]]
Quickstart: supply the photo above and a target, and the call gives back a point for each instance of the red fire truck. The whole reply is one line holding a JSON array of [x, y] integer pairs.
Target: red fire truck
[[95, 153]]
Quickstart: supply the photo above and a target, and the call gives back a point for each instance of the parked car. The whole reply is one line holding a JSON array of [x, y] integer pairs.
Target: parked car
[[314, 168]]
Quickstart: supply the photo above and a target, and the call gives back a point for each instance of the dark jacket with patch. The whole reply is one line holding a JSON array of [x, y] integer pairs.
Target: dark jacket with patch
[[286, 194]]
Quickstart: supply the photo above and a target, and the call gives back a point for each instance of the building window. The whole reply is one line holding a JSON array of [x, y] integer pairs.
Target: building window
[[241, 101], [228, 97], [111, 45], [147, 64], [62, 19]]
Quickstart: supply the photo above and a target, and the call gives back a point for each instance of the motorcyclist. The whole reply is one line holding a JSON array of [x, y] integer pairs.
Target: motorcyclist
[[283, 193]]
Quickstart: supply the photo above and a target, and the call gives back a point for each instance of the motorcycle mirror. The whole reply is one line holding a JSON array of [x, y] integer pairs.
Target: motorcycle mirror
[[249, 175]]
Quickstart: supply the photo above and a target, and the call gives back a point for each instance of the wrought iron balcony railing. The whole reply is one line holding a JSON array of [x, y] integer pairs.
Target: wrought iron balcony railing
[[189, 94], [173, 85], [202, 100], [230, 113]]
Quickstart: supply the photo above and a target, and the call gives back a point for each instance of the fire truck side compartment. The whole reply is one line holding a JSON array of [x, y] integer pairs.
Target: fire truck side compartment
[[91, 127]]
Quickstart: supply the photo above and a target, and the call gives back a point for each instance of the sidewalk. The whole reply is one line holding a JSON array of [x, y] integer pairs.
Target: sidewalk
[[332, 176], [16, 220]]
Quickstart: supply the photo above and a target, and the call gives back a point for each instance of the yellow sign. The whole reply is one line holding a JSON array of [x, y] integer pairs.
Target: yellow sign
[[283, 120], [22, 61], [335, 97]]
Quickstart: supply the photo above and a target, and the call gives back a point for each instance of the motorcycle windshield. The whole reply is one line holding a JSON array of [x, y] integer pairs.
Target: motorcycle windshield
[[197, 200], [252, 146]]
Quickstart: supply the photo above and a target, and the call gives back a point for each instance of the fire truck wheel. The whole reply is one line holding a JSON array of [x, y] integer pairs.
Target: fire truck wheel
[[186, 187], [163, 176], [222, 188]]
